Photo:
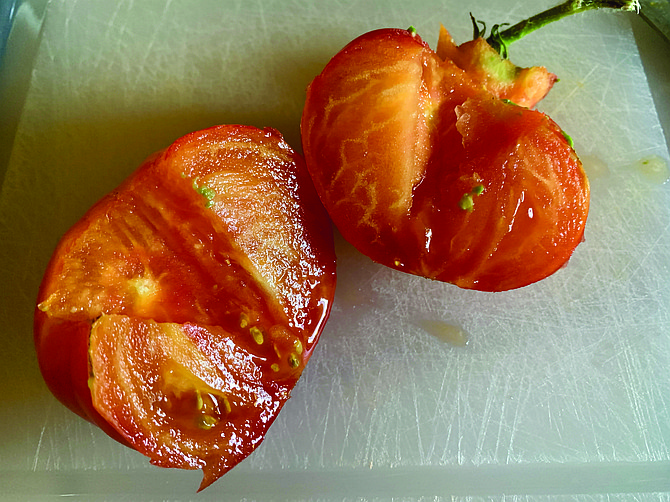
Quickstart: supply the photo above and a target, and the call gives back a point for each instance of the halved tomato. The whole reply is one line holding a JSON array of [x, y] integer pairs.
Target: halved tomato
[[180, 311], [424, 168]]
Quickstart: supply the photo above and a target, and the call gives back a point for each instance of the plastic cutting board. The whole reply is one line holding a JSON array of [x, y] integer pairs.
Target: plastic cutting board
[[418, 390]]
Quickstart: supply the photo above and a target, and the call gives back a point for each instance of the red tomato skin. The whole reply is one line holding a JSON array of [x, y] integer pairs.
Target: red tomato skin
[[391, 159], [63, 362], [62, 344], [200, 252]]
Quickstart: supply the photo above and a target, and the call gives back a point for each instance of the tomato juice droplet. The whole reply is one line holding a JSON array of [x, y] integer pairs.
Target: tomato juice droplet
[[595, 167], [445, 332], [654, 169]]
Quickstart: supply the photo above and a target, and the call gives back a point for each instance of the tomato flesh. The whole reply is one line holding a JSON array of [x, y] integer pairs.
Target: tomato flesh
[[529, 215], [207, 397], [425, 170], [180, 311]]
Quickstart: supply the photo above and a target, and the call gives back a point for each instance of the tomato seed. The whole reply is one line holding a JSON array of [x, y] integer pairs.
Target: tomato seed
[[257, 334], [293, 361]]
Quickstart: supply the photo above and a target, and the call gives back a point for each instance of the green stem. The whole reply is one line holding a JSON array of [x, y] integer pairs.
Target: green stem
[[499, 40]]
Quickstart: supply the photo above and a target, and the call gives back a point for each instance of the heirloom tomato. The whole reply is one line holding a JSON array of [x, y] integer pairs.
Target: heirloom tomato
[[425, 171], [435, 163], [180, 311]]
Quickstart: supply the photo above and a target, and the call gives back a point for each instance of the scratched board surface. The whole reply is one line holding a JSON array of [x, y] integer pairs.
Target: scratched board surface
[[417, 389]]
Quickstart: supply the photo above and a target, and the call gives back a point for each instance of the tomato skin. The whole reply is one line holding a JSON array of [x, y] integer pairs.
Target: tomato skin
[[63, 362], [395, 137], [218, 248]]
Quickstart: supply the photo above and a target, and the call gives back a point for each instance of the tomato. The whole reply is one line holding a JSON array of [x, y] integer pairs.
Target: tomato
[[424, 167], [180, 311]]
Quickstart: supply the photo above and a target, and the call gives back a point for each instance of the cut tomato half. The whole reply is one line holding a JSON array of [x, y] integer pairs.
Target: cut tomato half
[[180, 311], [425, 165]]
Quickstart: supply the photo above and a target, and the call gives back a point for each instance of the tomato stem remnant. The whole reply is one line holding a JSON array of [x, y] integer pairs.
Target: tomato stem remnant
[[499, 40], [568, 138]]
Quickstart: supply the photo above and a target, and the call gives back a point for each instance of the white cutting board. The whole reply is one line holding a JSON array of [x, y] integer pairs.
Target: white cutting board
[[563, 387]]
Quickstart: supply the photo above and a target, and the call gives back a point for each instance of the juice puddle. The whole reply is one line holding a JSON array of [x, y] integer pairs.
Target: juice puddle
[[654, 168], [595, 167], [445, 332]]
